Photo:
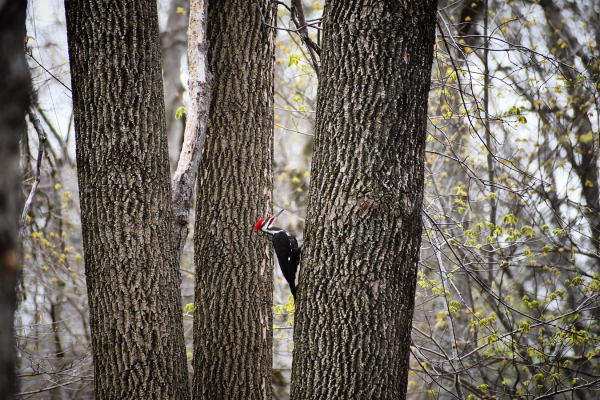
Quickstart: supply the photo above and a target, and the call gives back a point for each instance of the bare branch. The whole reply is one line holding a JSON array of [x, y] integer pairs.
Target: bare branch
[[297, 17], [49, 73], [35, 120], [300, 22]]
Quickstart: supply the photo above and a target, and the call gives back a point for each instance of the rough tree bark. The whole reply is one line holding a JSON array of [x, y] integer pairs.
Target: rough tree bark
[[234, 282], [363, 228], [14, 102], [125, 193]]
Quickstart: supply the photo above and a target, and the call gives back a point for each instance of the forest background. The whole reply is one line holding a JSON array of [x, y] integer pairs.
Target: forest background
[[508, 282]]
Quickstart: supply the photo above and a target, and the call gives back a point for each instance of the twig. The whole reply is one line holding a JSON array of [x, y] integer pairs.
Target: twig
[[313, 23], [48, 72], [42, 141], [572, 389], [293, 130]]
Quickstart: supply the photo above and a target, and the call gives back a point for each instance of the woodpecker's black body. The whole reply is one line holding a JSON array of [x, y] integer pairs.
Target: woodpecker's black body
[[288, 255], [286, 248]]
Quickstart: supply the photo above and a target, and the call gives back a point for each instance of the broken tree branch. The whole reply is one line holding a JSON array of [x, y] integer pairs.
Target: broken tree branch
[[200, 89]]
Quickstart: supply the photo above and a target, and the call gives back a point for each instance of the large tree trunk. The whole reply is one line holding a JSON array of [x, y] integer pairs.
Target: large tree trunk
[[233, 296], [363, 228], [14, 102], [125, 192]]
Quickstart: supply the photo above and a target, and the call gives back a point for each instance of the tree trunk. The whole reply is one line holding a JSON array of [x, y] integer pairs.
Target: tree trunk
[[14, 102], [174, 47], [125, 192], [363, 228], [234, 282]]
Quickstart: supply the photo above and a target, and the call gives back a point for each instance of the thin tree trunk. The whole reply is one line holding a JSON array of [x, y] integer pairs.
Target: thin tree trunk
[[174, 46], [14, 102], [125, 192], [234, 281], [363, 228], [584, 156], [200, 88]]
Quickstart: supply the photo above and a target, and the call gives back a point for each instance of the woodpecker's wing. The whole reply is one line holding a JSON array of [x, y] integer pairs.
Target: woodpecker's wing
[[288, 255], [296, 253]]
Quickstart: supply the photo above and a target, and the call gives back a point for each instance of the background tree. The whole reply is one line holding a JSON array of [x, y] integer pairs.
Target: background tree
[[125, 193], [14, 96], [233, 317], [174, 40], [508, 279], [363, 228]]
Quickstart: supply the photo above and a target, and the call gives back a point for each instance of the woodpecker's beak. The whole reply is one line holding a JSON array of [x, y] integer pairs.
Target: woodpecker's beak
[[279, 213]]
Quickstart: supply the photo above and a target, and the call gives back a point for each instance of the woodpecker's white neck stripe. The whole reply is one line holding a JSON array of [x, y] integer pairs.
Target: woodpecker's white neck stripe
[[272, 230]]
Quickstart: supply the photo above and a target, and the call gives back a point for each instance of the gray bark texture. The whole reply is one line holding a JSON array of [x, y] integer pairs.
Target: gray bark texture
[[363, 228], [132, 273], [14, 102], [234, 265]]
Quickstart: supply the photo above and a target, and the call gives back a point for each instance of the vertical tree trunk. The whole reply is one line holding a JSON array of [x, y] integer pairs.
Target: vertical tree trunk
[[174, 47], [363, 228], [14, 102], [125, 192], [232, 320]]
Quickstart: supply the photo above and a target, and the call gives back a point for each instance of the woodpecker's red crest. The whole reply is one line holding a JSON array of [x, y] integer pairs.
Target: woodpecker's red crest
[[265, 223], [259, 224]]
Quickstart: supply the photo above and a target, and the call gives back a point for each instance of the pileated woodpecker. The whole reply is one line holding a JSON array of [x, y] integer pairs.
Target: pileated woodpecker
[[286, 249]]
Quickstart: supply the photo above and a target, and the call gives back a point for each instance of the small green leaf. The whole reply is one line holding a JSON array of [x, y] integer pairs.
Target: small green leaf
[[180, 112], [510, 219], [188, 308], [525, 326], [588, 137], [294, 58], [514, 110], [538, 378], [577, 281]]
